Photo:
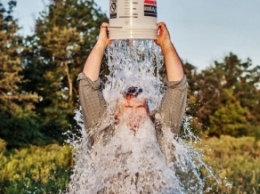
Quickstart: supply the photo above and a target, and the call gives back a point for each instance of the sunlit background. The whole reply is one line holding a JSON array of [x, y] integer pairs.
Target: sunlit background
[[39, 91]]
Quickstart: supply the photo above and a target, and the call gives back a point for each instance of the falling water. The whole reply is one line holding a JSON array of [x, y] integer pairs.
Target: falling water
[[133, 162]]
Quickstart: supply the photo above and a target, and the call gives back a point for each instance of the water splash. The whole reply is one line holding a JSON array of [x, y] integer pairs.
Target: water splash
[[134, 63], [134, 162]]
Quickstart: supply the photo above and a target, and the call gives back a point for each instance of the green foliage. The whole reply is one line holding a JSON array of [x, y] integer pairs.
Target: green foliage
[[38, 88], [18, 124], [35, 169], [191, 73], [230, 118], [236, 160], [2, 146], [22, 130], [55, 184], [55, 55], [209, 98], [256, 130]]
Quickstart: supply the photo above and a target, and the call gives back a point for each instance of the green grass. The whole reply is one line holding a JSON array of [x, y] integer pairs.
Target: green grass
[[47, 169], [35, 169], [237, 160]]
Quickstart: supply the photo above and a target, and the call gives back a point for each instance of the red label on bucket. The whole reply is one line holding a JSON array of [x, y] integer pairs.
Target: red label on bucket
[[150, 2], [150, 8]]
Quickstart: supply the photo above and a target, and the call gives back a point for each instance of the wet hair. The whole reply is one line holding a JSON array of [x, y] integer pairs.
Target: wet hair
[[132, 91]]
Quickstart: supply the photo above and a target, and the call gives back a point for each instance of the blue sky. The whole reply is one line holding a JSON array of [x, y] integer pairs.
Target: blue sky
[[202, 30]]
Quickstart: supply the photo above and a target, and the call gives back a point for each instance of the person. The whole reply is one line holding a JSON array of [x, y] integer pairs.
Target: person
[[133, 110], [173, 104]]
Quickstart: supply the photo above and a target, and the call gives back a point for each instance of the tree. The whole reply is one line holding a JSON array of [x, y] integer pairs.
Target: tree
[[230, 118], [18, 119], [64, 36], [230, 74], [191, 109]]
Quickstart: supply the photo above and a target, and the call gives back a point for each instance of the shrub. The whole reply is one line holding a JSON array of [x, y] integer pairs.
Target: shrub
[[35, 169], [236, 160]]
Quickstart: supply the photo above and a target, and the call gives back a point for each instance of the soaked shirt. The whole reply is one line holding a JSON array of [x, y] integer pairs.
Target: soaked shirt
[[124, 161], [170, 113]]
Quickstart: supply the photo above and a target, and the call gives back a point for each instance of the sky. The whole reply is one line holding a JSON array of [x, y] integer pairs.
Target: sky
[[203, 31]]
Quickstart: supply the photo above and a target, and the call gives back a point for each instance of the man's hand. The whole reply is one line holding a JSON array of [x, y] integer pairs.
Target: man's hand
[[103, 40], [163, 38], [172, 61]]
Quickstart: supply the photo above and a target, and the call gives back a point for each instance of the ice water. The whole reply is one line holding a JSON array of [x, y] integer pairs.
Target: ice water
[[133, 162]]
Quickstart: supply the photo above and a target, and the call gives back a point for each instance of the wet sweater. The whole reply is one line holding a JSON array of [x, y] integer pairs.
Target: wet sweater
[[170, 112], [122, 162]]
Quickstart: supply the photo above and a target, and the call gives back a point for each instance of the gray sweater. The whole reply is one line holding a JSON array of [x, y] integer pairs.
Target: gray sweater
[[171, 110]]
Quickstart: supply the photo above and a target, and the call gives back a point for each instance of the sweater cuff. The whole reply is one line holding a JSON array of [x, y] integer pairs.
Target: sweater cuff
[[94, 84], [175, 84]]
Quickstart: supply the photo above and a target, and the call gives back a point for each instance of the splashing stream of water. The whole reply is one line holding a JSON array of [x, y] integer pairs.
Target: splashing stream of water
[[133, 162]]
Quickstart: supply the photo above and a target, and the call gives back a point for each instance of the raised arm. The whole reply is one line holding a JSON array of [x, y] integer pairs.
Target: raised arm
[[93, 62], [172, 60], [173, 104], [91, 99]]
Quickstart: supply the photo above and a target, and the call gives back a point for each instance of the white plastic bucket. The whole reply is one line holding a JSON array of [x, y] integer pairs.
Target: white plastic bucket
[[133, 19]]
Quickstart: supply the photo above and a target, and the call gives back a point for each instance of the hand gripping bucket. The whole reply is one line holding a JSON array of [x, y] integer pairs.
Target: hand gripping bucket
[[133, 19]]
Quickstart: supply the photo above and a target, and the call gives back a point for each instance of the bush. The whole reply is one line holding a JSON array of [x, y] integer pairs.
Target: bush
[[2, 146], [35, 169], [47, 169], [237, 160]]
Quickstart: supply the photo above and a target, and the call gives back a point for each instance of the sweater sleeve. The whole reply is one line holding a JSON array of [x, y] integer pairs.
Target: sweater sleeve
[[91, 100], [173, 104]]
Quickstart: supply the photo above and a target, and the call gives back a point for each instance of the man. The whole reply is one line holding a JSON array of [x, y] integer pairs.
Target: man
[[173, 105], [132, 123]]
